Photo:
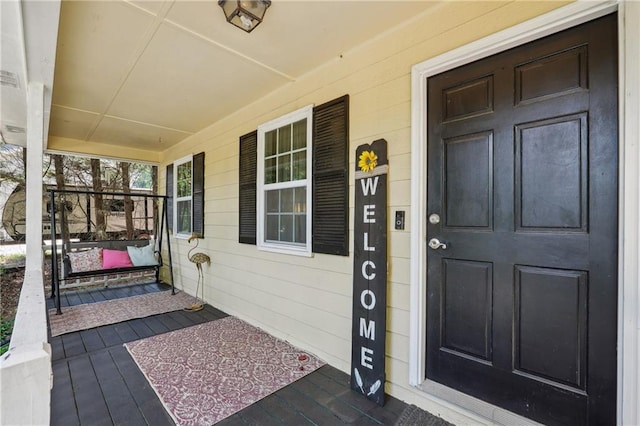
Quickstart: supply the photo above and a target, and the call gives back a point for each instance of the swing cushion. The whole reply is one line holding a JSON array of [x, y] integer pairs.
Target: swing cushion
[[89, 260], [115, 259], [142, 256]]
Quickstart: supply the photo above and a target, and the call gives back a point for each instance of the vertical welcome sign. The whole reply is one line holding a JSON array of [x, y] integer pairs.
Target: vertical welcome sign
[[370, 271]]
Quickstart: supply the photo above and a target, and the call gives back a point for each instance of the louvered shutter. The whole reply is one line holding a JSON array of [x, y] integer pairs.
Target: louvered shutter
[[248, 173], [198, 194], [331, 177], [169, 193]]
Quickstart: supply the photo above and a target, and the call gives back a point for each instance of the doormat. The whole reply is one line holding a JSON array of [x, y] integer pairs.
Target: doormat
[[207, 372], [90, 315], [413, 415]]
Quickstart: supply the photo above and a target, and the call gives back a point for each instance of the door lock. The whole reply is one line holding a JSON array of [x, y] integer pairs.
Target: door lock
[[435, 244]]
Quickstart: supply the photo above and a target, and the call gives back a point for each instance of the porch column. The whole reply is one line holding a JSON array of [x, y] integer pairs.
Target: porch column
[[25, 389], [35, 144]]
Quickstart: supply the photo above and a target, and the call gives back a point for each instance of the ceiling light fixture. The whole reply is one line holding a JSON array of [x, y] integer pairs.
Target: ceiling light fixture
[[244, 14]]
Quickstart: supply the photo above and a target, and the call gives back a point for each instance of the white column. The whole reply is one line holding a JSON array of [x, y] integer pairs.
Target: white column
[[25, 370], [35, 144]]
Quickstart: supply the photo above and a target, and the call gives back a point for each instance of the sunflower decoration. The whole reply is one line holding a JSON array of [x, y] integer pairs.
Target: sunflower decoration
[[368, 161]]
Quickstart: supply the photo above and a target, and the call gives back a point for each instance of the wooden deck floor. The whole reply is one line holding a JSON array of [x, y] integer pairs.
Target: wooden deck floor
[[96, 382]]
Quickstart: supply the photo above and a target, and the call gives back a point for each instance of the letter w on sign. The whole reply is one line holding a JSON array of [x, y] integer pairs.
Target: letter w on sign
[[370, 272]]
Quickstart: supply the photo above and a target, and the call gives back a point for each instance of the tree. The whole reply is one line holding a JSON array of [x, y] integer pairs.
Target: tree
[[128, 204], [60, 204], [13, 164], [96, 182], [75, 172]]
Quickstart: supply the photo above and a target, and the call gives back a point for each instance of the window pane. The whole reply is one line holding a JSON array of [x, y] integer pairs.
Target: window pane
[[286, 228], [284, 139], [270, 171], [273, 201], [284, 168], [183, 180], [270, 143], [286, 215], [184, 217], [286, 200], [300, 134], [300, 165], [300, 228], [300, 200], [271, 233]]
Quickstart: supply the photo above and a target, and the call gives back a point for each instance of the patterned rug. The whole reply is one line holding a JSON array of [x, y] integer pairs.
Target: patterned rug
[[413, 416], [90, 315], [207, 372]]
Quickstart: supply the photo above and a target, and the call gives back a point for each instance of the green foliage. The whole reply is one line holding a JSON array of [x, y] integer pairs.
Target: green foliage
[[6, 328], [6, 258], [184, 180], [141, 176]]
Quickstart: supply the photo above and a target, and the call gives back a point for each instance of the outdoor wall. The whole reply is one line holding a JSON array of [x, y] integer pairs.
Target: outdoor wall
[[307, 301]]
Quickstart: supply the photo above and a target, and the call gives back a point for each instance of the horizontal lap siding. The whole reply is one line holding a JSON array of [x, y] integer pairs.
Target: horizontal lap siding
[[308, 300]]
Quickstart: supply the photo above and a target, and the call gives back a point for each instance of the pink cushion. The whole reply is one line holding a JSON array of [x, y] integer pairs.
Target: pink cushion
[[89, 260], [115, 259]]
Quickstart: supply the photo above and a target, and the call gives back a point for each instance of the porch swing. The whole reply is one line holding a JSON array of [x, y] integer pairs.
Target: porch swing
[[108, 251]]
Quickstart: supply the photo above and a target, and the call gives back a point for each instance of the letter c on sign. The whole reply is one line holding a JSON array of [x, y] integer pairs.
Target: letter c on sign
[[363, 300], [372, 275]]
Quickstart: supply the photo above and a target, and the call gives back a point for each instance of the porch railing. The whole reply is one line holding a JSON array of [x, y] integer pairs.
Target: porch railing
[[25, 369]]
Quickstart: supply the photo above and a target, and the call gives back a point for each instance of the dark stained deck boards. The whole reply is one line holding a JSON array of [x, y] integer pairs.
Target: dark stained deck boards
[[96, 382], [92, 340]]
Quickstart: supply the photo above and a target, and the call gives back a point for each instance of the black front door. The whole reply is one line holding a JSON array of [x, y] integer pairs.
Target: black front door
[[522, 190]]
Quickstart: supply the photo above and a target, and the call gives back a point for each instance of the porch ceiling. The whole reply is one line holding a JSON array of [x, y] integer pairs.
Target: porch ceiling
[[147, 74]]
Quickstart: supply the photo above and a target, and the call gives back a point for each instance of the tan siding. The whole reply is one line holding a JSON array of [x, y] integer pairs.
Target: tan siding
[[308, 300]]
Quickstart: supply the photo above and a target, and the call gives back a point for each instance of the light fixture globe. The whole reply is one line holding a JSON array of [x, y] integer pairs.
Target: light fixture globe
[[244, 14]]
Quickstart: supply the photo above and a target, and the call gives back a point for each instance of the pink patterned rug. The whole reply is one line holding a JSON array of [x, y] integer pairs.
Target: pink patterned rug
[[90, 315], [210, 371]]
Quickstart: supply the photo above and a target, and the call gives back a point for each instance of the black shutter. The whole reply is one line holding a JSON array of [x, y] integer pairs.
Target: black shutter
[[169, 193], [248, 172], [331, 177], [198, 194]]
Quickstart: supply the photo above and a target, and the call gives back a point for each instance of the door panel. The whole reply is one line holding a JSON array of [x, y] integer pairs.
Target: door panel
[[550, 318], [467, 328], [552, 154], [522, 169], [468, 194]]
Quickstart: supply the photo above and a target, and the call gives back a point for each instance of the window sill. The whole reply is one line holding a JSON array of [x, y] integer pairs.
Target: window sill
[[303, 252], [182, 236]]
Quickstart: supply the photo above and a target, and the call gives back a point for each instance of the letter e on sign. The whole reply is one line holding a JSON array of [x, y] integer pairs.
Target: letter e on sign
[[366, 357], [369, 211]]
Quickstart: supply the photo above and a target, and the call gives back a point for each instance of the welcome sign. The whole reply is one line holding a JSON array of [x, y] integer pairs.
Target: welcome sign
[[370, 271]]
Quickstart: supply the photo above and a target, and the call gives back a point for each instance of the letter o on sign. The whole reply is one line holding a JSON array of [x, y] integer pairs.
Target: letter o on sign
[[363, 299]]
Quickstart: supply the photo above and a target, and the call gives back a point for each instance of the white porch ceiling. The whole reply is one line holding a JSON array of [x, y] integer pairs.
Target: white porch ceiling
[[148, 74]]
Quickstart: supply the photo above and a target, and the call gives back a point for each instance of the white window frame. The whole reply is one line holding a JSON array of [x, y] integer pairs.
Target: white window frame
[[295, 249], [176, 199]]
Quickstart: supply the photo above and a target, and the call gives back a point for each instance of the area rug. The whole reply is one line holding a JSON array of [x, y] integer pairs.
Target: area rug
[[413, 416], [207, 372], [90, 315]]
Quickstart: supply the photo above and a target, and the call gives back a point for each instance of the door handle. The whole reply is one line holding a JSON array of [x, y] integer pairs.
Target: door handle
[[435, 244]]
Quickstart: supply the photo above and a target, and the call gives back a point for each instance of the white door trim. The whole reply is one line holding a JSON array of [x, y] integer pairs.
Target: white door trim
[[629, 186]]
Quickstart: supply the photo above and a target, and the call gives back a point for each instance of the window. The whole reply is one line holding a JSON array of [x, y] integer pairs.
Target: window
[[293, 182], [284, 186], [185, 189], [182, 203]]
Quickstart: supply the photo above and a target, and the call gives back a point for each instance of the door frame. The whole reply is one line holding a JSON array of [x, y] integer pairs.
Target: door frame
[[628, 379]]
